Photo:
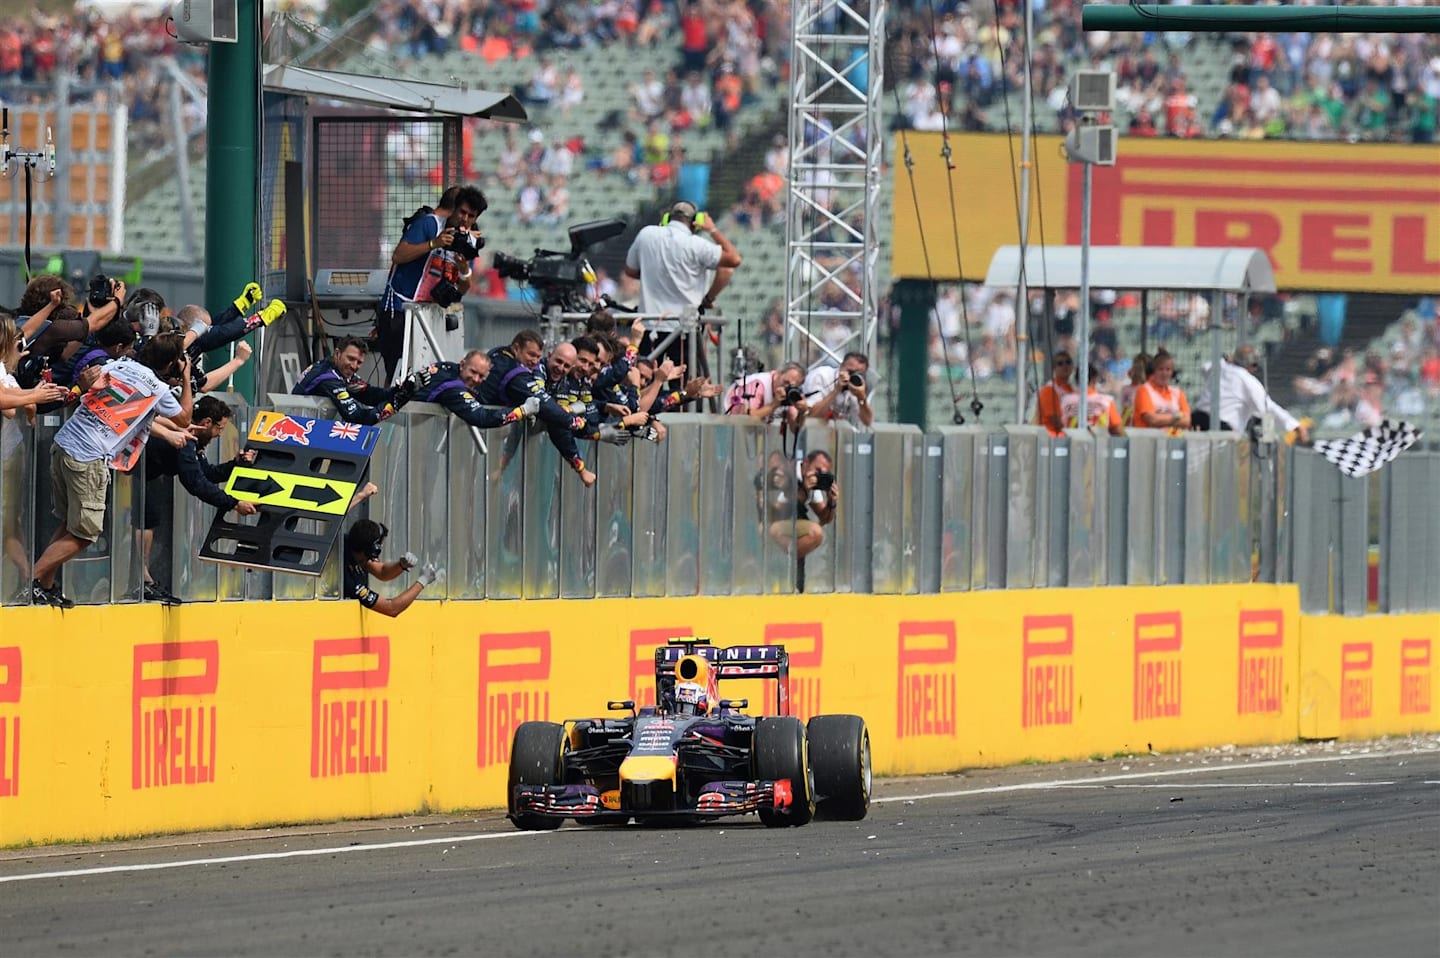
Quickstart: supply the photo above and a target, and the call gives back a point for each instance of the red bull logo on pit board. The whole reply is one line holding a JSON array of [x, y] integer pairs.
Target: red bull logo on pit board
[[289, 429]]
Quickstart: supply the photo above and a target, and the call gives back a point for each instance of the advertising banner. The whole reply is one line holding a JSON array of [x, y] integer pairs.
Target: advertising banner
[[1368, 676], [1347, 217]]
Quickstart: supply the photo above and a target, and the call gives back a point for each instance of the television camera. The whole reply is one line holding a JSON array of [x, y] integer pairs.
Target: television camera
[[561, 278]]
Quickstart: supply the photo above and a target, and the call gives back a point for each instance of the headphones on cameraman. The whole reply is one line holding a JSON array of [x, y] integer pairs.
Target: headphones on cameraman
[[683, 209], [357, 540]]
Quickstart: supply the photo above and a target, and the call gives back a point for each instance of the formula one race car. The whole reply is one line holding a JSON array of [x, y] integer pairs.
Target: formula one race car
[[694, 756]]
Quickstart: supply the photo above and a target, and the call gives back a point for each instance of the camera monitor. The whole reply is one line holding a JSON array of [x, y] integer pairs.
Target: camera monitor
[[585, 235]]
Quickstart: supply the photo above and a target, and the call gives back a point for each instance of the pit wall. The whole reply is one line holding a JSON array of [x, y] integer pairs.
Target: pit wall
[[118, 721]]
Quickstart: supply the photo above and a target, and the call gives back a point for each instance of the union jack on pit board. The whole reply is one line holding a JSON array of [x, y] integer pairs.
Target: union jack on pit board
[[345, 430]]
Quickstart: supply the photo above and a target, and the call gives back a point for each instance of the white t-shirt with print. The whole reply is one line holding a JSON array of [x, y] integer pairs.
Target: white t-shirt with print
[[107, 420]]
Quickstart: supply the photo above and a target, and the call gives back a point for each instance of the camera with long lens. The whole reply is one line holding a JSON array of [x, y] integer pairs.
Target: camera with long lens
[[561, 278], [101, 291], [856, 380]]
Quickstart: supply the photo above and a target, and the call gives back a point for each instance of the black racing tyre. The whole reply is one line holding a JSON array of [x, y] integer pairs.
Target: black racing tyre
[[840, 762], [536, 758], [778, 751]]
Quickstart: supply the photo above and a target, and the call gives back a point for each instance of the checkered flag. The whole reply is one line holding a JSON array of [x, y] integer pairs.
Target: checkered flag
[[1367, 451]]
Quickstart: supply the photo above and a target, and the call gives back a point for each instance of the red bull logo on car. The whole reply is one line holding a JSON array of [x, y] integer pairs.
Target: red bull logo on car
[[278, 427]]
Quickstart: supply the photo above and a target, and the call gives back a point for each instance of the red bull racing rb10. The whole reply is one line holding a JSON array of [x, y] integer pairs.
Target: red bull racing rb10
[[693, 756]]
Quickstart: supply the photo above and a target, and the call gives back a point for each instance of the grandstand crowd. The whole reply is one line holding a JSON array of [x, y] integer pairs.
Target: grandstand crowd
[[959, 67], [954, 66]]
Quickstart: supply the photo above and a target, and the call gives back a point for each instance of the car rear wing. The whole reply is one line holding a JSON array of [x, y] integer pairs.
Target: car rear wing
[[732, 662]]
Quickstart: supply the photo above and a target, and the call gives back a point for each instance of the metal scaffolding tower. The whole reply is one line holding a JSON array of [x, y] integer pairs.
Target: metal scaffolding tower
[[836, 150]]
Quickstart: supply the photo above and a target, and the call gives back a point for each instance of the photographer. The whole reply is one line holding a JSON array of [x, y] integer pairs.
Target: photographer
[[432, 263], [796, 516], [844, 391], [773, 395], [52, 326], [363, 544]]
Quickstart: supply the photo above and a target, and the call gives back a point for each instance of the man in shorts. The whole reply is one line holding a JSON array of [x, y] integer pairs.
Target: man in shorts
[[108, 430]]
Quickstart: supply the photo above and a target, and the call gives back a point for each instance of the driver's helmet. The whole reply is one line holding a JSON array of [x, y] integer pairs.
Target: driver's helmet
[[691, 699]]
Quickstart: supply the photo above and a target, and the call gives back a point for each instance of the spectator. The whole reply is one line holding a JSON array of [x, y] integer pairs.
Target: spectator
[[544, 85], [572, 94], [695, 43], [14, 401], [1139, 371], [649, 97], [1049, 412], [511, 161], [112, 421], [559, 160], [1159, 404], [557, 203], [530, 201]]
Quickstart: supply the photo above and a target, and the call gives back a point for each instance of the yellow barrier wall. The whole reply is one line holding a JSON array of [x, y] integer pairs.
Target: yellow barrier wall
[[1368, 676], [125, 720]]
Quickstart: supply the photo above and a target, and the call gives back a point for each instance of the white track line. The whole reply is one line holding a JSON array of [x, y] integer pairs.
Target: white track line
[[1236, 785], [1132, 776], [262, 856], [458, 839]]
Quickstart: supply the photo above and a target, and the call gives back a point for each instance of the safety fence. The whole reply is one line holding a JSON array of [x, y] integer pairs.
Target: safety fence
[[951, 510], [125, 721]]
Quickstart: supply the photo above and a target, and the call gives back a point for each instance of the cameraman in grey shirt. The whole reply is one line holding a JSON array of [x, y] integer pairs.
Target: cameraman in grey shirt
[[841, 393]]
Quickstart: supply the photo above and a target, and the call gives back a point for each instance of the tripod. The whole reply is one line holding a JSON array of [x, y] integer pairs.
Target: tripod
[[29, 159]]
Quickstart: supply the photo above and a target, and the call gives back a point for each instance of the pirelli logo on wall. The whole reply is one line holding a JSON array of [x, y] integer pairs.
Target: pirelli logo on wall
[[1352, 217]]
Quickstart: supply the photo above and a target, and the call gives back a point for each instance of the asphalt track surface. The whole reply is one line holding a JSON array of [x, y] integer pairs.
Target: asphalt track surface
[[1320, 854]]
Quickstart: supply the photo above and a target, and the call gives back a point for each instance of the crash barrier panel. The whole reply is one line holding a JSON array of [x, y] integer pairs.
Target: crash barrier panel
[[955, 509], [121, 721]]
